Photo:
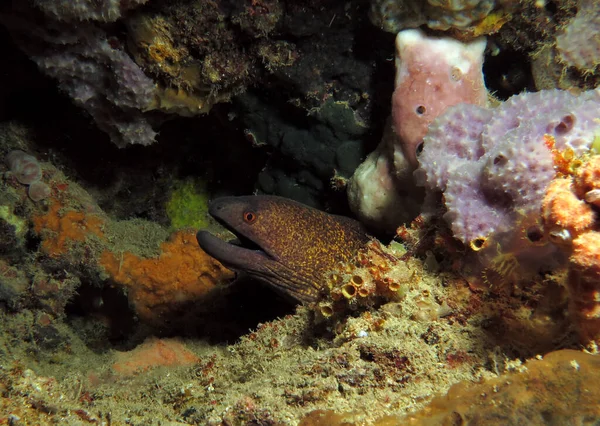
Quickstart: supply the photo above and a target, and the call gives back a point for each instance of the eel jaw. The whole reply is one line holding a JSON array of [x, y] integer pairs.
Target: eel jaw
[[231, 255]]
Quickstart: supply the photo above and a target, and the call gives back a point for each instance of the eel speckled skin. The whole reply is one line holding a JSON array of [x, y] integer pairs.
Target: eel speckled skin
[[284, 243]]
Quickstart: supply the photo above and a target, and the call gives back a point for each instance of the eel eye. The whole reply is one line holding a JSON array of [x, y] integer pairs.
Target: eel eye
[[249, 217]]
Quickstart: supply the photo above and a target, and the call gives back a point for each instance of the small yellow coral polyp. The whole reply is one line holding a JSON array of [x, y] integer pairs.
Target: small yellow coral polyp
[[565, 161], [182, 273], [59, 228]]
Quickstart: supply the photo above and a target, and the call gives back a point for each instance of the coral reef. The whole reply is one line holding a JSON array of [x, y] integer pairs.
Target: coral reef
[[190, 73], [77, 236], [480, 159], [106, 319], [432, 73]]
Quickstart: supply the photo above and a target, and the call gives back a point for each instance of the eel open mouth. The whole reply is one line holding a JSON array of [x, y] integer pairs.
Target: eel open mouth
[[243, 252], [235, 254]]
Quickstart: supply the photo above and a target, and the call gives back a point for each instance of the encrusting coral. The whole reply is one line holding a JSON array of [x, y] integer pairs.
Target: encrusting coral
[[526, 396], [396, 15], [62, 229], [154, 353], [572, 223], [74, 231]]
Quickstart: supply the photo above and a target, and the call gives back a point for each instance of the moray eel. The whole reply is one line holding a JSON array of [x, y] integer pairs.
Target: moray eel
[[286, 244]]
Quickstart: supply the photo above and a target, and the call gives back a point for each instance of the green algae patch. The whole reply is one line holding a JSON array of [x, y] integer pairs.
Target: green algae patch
[[188, 205], [595, 148], [8, 216]]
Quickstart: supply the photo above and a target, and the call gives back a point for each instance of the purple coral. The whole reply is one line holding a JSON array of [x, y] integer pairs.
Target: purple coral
[[493, 165], [451, 137], [90, 67]]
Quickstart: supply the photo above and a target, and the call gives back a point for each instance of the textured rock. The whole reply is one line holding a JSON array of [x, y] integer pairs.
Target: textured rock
[[579, 43]]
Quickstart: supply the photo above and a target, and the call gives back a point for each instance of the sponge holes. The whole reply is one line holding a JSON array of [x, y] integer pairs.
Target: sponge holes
[[478, 243], [565, 125], [500, 160], [535, 235], [419, 149]]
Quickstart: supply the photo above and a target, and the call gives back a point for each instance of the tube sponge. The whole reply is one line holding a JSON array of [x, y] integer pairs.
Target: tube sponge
[[432, 73]]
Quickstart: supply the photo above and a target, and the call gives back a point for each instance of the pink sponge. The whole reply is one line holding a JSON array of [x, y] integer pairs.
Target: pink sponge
[[432, 74]]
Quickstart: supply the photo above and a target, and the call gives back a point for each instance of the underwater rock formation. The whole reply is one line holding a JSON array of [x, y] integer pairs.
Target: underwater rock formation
[[92, 68], [533, 395], [574, 45], [161, 63], [396, 15]]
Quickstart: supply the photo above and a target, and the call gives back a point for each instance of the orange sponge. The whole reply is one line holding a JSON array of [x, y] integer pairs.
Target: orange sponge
[[182, 273], [561, 208], [60, 227], [154, 353]]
